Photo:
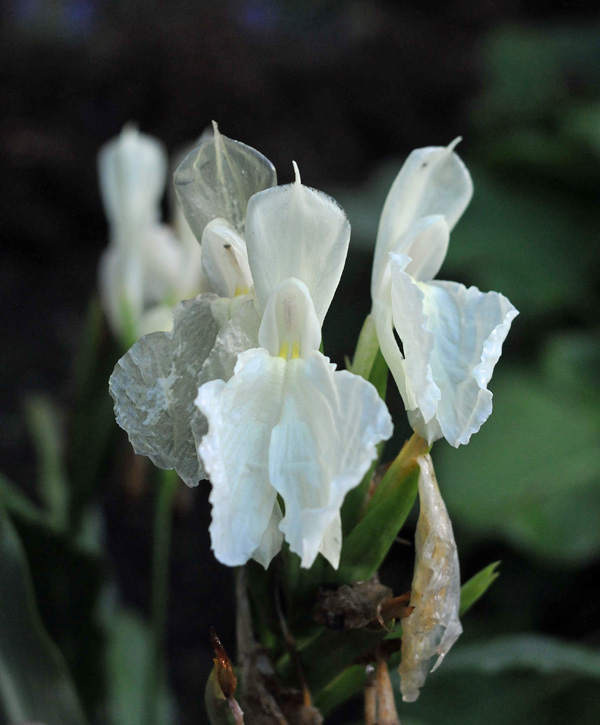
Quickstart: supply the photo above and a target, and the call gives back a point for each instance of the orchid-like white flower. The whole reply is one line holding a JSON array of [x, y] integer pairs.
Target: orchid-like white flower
[[451, 336], [146, 270], [287, 424], [154, 385], [433, 626]]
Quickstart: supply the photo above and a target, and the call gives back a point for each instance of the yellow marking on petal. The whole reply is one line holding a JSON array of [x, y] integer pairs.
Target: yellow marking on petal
[[284, 349], [241, 291], [295, 350]]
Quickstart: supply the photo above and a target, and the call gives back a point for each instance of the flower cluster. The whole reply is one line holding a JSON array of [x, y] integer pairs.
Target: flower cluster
[[237, 389]]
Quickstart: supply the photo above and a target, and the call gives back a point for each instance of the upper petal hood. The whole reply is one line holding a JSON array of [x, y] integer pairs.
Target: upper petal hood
[[132, 170], [433, 180], [295, 231], [217, 178]]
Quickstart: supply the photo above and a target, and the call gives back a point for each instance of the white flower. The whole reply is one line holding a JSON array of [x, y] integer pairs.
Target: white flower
[[287, 423], [451, 336], [155, 383], [434, 626], [146, 270]]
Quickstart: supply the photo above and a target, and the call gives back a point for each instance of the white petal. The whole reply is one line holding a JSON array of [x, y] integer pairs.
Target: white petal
[[384, 325], [120, 291], [225, 260], [433, 627], [452, 338], [217, 178], [290, 327], [295, 231], [241, 416], [132, 170], [433, 180], [426, 244], [324, 442]]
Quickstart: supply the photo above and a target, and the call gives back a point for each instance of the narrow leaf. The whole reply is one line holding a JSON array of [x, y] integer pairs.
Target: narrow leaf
[[472, 590], [45, 426], [369, 542], [34, 682], [347, 684]]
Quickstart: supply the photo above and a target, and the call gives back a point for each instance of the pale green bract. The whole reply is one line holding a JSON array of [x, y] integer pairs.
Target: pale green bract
[[287, 423], [451, 336], [155, 383]]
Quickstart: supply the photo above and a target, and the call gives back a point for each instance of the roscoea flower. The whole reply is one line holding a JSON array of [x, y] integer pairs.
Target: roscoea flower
[[287, 423], [433, 626], [154, 385], [146, 270], [451, 335]]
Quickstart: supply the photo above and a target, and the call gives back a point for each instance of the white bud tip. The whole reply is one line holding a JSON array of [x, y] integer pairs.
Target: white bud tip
[[296, 173], [454, 144]]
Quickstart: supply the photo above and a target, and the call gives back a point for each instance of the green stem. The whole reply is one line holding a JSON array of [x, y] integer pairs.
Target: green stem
[[163, 510]]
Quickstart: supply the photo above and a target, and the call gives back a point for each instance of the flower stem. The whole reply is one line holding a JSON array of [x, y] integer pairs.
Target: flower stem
[[163, 509]]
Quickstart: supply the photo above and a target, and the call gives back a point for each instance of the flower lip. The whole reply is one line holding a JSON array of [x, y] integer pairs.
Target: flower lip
[[290, 328]]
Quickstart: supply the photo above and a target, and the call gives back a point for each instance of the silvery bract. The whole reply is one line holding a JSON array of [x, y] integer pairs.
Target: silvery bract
[[146, 269], [433, 627], [287, 423], [451, 336], [155, 383]]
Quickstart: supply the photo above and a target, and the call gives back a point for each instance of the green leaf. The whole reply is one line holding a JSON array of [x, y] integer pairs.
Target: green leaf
[[523, 678], [127, 659], [17, 503], [330, 652], [217, 706], [347, 684], [531, 475], [45, 426], [92, 424], [369, 542], [367, 348], [512, 239], [34, 682], [477, 586]]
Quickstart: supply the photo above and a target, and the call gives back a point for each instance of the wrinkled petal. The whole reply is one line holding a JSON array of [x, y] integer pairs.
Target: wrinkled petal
[[298, 428], [241, 416], [225, 260], [452, 338], [154, 386], [295, 231], [432, 181], [217, 178], [434, 626], [290, 327], [323, 444], [132, 170]]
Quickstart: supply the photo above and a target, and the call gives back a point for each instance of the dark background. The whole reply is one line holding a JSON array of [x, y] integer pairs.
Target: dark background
[[340, 87]]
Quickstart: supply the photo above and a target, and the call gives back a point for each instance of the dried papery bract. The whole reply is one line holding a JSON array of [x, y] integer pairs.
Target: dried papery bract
[[433, 626]]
